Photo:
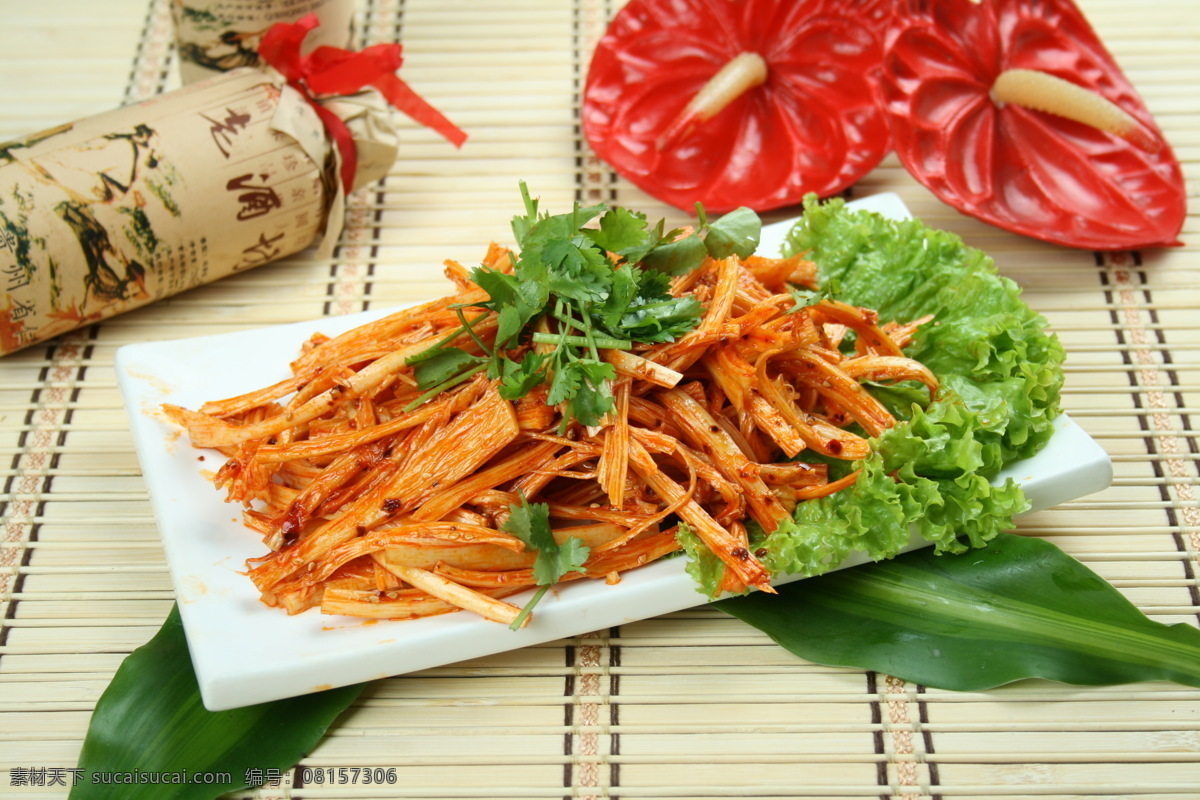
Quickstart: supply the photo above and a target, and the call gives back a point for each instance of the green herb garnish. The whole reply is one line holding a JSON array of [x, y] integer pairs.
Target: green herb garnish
[[530, 522], [598, 286], [804, 298]]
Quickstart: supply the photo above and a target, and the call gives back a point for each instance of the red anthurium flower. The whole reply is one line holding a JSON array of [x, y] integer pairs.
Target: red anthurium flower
[[753, 103], [1012, 111]]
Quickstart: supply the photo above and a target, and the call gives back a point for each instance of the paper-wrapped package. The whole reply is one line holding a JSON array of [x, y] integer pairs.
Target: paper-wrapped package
[[113, 212], [214, 36], [107, 214]]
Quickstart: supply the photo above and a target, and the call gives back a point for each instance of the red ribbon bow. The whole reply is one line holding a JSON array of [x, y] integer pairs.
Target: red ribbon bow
[[331, 71]]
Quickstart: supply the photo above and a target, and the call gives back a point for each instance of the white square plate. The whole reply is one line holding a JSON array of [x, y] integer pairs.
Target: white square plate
[[245, 652]]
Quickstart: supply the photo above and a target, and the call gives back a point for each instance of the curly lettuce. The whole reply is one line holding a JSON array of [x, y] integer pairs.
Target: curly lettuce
[[1000, 373]]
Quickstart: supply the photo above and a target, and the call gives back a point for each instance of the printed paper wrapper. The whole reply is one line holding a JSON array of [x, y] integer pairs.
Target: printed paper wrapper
[[215, 36], [103, 215]]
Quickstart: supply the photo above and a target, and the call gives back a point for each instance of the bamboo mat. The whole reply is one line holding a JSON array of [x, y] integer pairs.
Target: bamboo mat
[[689, 705]]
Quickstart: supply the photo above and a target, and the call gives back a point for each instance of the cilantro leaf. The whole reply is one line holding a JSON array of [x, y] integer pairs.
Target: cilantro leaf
[[571, 556], [595, 398], [626, 281], [530, 522], [677, 257], [654, 237], [517, 378], [502, 289], [620, 230], [568, 273], [810, 297], [443, 366], [582, 383], [653, 285], [662, 320], [426, 355], [736, 233], [652, 313], [534, 229], [577, 270], [804, 298], [565, 384], [516, 301]]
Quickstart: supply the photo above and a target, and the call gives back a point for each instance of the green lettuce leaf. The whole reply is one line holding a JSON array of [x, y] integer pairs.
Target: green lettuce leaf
[[985, 344], [702, 564], [1000, 375]]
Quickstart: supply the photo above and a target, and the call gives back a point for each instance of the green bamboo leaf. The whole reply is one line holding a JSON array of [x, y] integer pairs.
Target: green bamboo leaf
[[150, 719], [1019, 608]]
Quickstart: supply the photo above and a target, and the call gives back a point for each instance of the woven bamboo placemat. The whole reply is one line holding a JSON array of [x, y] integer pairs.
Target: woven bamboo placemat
[[689, 705]]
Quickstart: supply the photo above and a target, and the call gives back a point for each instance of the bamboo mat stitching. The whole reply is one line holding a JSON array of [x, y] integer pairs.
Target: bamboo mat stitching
[[354, 257], [1162, 440], [588, 748], [50, 408], [152, 61], [901, 744]]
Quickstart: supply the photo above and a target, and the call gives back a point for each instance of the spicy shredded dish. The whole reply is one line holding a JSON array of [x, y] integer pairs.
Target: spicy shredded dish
[[572, 409]]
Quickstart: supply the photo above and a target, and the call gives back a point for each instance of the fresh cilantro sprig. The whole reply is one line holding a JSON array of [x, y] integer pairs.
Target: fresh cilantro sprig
[[810, 297], [530, 522], [600, 286]]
